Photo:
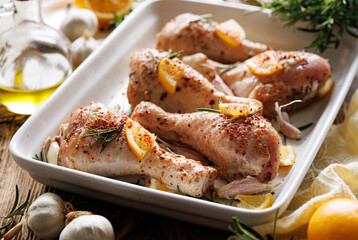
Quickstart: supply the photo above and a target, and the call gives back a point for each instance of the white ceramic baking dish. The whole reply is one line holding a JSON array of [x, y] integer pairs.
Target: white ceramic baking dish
[[103, 77]]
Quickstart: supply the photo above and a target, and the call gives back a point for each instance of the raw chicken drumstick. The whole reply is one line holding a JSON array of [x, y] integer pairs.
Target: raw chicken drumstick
[[191, 92], [81, 150], [238, 148], [220, 42], [287, 76]]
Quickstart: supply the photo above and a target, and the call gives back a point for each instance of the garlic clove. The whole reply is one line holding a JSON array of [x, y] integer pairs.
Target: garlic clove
[[77, 21], [283, 120], [82, 48], [45, 216], [88, 227]]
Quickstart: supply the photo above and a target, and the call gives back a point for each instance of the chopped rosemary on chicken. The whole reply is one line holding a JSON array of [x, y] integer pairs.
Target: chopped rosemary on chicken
[[174, 55], [202, 17], [227, 68], [251, 114], [104, 136]]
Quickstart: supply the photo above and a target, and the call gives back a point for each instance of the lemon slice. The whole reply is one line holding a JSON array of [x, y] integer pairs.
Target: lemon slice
[[170, 73], [230, 32], [155, 184], [264, 64], [104, 9], [287, 155], [326, 88], [237, 109], [254, 201], [140, 140]]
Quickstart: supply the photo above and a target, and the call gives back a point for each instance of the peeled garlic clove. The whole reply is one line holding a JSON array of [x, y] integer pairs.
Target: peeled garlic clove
[[77, 21], [82, 48], [45, 216], [88, 227]]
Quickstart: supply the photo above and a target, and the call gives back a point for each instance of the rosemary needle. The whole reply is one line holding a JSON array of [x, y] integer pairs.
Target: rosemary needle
[[103, 136], [327, 20]]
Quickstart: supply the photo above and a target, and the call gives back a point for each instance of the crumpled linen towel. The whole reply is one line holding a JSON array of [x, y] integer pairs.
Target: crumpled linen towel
[[333, 174]]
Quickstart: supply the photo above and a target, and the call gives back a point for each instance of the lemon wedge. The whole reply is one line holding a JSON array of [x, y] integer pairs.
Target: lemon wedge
[[155, 184], [287, 155], [261, 201], [140, 140], [170, 73], [326, 88], [105, 9], [237, 109], [264, 64], [230, 32]]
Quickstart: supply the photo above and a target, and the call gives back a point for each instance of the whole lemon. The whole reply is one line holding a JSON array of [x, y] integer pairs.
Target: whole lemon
[[335, 219]]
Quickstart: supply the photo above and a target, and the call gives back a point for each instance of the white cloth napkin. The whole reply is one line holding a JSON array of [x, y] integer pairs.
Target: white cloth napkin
[[333, 174]]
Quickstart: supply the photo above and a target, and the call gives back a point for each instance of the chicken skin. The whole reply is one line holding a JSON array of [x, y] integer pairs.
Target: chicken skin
[[193, 34], [193, 90], [111, 156], [238, 148], [301, 77]]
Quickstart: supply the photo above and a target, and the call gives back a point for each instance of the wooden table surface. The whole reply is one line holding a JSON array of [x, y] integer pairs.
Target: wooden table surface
[[128, 223]]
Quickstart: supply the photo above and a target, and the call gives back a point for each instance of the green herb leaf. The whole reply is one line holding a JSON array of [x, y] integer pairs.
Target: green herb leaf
[[202, 17], [176, 54], [105, 136], [16, 210], [15, 202], [8, 224], [175, 154], [304, 127], [178, 189], [117, 20], [327, 20], [251, 114], [208, 110], [227, 68]]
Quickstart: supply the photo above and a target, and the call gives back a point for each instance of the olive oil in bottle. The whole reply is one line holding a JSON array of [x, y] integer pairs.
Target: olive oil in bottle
[[34, 59]]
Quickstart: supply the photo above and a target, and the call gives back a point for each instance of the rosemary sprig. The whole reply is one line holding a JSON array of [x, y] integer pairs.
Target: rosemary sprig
[[202, 17], [175, 154], [103, 136], [249, 115], [174, 55], [304, 127], [218, 111], [327, 20], [248, 233], [16, 210], [227, 68], [117, 20], [208, 110], [179, 192], [42, 157]]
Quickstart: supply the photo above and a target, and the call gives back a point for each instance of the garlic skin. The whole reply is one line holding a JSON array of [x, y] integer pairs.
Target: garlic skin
[[45, 216], [77, 21], [88, 227], [82, 48]]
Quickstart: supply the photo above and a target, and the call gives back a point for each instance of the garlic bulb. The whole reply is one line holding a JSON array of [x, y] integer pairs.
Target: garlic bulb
[[45, 216], [88, 227], [82, 48], [77, 21]]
